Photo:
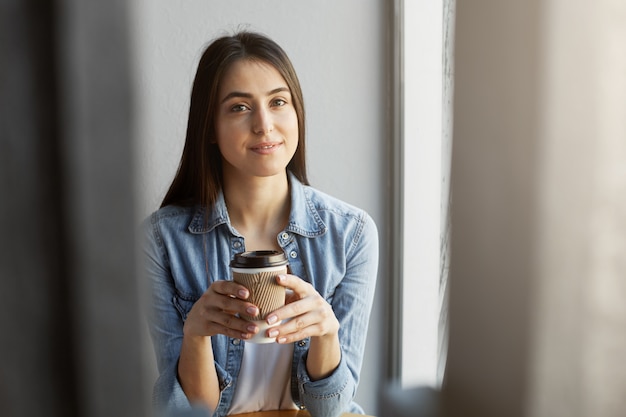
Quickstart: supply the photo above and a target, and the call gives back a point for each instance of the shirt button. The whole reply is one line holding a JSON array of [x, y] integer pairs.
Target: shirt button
[[237, 245], [302, 343], [236, 342], [302, 407], [293, 254], [285, 236]]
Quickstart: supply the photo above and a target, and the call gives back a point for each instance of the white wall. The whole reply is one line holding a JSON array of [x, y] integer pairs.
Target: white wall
[[338, 50]]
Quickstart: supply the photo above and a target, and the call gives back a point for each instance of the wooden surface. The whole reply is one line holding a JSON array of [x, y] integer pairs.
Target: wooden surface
[[288, 413]]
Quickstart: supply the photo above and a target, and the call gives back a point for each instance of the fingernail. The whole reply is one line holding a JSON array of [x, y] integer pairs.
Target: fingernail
[[272, 319], [273, 333], [251, 311], [282, 340], [242, 293], [251, 328], [281, 277]]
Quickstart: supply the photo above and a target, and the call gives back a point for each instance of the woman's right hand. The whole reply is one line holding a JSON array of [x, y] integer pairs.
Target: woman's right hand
[[216, 312]]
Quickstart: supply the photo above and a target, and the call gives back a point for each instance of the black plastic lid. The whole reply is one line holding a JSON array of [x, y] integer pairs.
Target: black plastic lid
[[259, 259]]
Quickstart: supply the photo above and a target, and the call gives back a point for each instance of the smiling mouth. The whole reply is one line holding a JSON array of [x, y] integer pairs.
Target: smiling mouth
[[265, 146]]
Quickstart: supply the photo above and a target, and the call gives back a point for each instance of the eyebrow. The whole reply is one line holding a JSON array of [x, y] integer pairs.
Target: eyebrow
[[248, 95]]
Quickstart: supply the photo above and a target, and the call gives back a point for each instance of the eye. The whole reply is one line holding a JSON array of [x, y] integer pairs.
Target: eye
[[238, 108], [279, 102]]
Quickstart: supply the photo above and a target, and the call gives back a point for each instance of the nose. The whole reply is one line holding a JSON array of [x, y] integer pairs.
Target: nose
[[263, 122]]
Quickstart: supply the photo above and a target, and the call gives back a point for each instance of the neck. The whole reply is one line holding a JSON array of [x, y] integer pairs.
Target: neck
[[258, 206]]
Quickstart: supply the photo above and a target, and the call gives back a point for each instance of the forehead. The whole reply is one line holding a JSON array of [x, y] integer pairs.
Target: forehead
[[250, 76]]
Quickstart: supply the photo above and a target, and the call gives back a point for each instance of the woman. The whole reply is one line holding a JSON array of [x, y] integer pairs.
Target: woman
[[242, 185]]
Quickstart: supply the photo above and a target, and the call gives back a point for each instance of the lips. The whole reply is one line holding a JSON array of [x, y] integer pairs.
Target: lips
[[266, 147]]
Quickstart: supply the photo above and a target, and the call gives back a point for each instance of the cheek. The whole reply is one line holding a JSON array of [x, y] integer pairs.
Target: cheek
[[291, 121], [227, 131], [219, 130]]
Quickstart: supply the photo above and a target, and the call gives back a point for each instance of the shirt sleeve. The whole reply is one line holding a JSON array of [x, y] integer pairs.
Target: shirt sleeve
[[352, 304], [164, 310], [164, 321]]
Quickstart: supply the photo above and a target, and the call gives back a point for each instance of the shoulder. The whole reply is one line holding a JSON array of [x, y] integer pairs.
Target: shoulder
[[336, 212], [323, 202], [314, 206], [350, 235], [172, 213], [169, 218]]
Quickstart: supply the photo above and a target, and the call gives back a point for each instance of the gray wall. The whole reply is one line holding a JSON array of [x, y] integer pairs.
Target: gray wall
[[494, 146], [538, 200], [339, 51]]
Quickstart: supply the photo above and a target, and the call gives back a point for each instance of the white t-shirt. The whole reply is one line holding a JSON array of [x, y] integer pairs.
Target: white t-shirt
[[264, 381]]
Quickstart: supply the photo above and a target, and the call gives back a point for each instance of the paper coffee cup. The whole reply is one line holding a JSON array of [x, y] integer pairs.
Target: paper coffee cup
[[257, 271]]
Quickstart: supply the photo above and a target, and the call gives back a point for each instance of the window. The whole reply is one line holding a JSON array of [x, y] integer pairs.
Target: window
[[422, 126]]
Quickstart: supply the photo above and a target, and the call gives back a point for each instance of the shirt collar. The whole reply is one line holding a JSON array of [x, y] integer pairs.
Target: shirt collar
[[304, 218]]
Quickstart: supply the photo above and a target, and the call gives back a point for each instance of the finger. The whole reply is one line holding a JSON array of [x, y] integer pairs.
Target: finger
[[234, 333], [298, 322], [297, 329], [217, 313], [295, 284], [215, 321], [231, 289], [216, 301], [288, 311], [237, 327], [296, 305], [316, 319]]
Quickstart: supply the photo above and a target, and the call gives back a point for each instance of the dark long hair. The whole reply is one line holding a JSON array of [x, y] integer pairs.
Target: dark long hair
[[199, 176]]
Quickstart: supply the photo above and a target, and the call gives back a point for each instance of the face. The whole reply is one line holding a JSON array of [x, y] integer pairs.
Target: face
[[256, 122]]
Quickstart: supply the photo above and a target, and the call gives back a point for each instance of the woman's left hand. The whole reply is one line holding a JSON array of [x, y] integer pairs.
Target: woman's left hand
[[306, 313]]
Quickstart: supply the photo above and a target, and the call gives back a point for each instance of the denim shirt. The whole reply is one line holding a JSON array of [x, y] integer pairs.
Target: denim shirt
[[329, 243]]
